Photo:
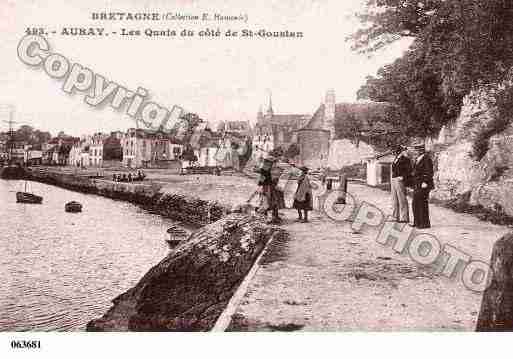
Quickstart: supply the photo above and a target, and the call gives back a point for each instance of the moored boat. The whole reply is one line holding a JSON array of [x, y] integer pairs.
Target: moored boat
[[177, 236], [25, 197], [73, 207]]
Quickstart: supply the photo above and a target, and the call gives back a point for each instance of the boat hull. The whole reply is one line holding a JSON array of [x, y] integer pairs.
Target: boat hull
[[73, 207], [23, 197]]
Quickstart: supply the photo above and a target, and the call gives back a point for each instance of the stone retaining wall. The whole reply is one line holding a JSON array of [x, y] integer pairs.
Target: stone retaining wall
[[190, 288]]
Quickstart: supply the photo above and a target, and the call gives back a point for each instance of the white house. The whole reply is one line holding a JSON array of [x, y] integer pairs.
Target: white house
[[34, 157], [96, 150], [74, 154], [207, 156]]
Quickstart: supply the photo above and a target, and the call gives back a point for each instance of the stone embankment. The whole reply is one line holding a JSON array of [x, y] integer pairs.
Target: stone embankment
[[190, 288], [179, 206]]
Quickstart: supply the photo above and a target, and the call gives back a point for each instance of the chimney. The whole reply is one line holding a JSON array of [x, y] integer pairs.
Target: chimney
[[329, 112]]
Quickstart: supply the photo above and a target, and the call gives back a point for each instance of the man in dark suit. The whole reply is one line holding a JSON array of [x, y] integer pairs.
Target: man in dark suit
[[422, 183], [401, 172]]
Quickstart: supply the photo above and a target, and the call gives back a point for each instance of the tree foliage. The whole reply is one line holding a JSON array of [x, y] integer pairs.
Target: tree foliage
[[350, 128], [386, 21], [30, 135], [373, 123], [458, 46]]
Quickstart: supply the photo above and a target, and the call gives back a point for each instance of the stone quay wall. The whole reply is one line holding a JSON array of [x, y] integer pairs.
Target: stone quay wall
[[191, 287]]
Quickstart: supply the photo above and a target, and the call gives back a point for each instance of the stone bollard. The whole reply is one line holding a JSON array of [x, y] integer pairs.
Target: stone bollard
[[496, 313]]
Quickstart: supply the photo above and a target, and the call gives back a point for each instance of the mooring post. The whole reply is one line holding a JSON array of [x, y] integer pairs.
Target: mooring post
[[496, 313]]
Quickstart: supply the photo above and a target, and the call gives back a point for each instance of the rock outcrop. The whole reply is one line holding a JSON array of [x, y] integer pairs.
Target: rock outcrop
[[189, 289], [487, 182], [496, 314]]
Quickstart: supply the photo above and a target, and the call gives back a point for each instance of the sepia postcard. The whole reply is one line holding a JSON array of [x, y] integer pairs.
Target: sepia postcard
[[233, 166]]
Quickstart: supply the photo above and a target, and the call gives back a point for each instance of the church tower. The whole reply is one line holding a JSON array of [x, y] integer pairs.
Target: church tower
[[329, 113], [270, 111]]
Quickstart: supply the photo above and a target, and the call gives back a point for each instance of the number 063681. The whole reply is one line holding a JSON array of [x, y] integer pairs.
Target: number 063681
[[25, 344]]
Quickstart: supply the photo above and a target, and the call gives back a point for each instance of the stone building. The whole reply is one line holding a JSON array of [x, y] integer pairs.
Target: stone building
[[275, 130], [239, 128], [207, 149], [96, 149], [74, 158], [137, 148], [147, 149], [313, 147], [332, 150]]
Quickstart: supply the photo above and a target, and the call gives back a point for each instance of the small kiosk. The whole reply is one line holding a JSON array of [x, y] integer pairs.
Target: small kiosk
[[379, 169]]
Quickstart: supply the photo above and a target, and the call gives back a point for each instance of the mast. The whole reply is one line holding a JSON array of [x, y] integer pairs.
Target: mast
[[10, 142]]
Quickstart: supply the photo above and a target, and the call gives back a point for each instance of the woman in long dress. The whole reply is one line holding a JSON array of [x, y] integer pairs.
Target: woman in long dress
[[303, 200], [268, 189]]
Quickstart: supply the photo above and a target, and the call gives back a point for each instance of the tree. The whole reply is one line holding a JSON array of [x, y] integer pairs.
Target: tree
[[386, 21], [349, 127], [458, 46]]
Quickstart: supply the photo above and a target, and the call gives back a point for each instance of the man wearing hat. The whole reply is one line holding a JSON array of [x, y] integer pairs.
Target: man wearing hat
[[422, 182], [401, 173]]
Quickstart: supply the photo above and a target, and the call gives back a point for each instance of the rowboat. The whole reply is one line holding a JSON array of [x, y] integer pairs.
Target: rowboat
[[73, 207], [27, 197], [177, 236], [24, 197]]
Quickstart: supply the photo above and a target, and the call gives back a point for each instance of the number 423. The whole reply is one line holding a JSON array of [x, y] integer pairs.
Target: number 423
[[35, 31]]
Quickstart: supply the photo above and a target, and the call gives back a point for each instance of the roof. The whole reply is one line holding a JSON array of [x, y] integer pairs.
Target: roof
[[367, 113], [287, 120], [236, 126]]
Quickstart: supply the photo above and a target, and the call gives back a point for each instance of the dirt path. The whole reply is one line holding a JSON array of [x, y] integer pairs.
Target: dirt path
[[327, 278]]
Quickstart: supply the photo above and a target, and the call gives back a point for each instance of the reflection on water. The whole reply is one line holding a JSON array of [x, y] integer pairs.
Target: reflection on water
[[59, 270]]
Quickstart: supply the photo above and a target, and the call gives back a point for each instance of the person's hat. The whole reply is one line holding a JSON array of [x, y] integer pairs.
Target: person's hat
[[398, 148], [269, 158], [419, 146]]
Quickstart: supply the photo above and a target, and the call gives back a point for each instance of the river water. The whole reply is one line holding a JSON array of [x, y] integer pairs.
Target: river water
[[60, 270]]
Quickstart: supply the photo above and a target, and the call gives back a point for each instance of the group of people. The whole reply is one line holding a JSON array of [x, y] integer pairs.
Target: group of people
[[409, 170], [271, 199], [416, 174], [140, 176]]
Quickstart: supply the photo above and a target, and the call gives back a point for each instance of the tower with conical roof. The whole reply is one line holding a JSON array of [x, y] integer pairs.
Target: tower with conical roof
[[270, 111]]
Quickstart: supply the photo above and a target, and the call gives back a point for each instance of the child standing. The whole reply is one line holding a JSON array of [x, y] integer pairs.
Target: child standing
[[303, 200]]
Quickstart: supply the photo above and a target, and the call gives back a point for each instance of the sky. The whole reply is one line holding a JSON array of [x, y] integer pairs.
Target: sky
[[221, 79]]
